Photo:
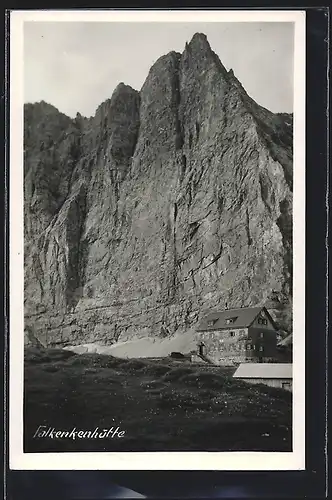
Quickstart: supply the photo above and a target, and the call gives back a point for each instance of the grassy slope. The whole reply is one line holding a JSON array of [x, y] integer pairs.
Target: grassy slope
[[161, 404]]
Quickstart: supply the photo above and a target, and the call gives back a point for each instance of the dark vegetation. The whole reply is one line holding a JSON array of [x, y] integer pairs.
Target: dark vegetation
[[162, 404]]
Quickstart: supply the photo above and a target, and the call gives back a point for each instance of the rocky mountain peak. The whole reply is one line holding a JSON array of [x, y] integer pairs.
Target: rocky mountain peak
[[198, 58], [199, 41], [169, 202], [122, 88]]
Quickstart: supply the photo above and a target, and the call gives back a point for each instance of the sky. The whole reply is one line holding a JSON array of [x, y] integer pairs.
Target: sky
[[75, 66]]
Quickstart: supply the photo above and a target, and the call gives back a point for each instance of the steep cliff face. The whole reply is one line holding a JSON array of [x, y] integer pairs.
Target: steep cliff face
[[167, 203]]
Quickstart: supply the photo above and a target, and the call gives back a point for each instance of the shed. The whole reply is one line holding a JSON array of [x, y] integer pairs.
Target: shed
[[273, 374]]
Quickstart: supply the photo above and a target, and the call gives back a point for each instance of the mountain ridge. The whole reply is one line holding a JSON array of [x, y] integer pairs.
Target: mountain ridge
[[201, 38]]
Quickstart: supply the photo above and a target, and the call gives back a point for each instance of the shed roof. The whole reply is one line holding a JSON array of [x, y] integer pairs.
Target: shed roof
[[243, 318], [264, 370]]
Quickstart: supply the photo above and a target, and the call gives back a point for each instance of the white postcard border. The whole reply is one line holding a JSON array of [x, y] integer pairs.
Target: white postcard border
[[151, 460]]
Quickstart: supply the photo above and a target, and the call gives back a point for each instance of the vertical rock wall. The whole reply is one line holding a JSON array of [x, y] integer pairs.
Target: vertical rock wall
[[167, 203]]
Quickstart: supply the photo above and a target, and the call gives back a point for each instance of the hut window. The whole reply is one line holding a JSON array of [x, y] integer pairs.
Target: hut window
[[262, 321], [232, 334], [212, 322], [261, 335]]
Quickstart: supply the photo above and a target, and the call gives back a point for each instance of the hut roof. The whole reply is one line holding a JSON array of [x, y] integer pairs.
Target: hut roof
[[242, 318]]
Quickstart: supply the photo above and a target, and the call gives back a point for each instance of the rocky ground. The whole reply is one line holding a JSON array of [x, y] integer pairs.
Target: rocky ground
[[162, 405]]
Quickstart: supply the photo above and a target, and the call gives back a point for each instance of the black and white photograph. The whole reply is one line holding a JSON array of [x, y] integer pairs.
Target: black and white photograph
[[158, 173]]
